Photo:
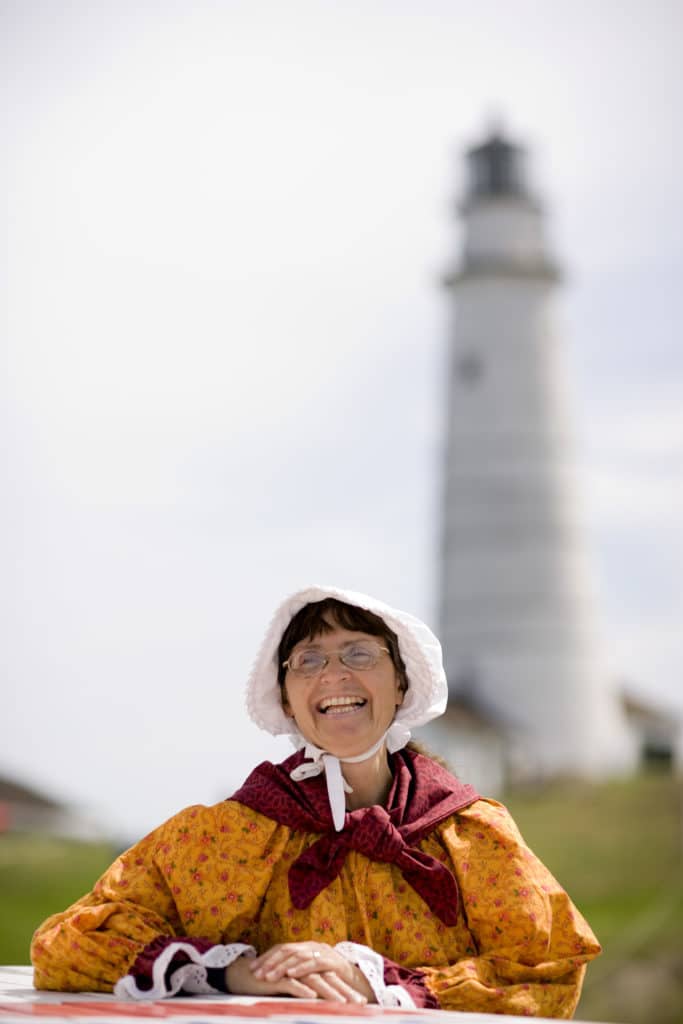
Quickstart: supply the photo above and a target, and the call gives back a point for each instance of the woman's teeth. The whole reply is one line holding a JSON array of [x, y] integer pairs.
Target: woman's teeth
[[340, 705]]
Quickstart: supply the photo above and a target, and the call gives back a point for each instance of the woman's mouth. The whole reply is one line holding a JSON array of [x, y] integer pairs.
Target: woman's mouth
[[340, 705]]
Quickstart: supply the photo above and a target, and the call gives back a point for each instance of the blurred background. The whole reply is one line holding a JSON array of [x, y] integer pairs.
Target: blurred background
[[228, 226]]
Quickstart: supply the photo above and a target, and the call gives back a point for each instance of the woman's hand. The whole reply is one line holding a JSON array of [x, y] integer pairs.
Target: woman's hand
[[241, 980], [318, 966]]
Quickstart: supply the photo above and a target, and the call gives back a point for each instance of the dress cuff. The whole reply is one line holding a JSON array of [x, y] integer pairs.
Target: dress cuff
[[372, 966], [168, 966]]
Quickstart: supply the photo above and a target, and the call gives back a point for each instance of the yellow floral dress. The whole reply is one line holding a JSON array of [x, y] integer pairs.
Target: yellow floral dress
[[518, 946]]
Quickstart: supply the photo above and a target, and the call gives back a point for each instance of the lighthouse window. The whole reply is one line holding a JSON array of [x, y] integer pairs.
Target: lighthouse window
[[469, 367]]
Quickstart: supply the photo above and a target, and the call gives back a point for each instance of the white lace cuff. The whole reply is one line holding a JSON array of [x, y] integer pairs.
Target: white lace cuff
[[190, 978], [372, 966]]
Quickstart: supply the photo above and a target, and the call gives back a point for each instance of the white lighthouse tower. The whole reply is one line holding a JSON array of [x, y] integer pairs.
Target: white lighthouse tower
[[517, 618]]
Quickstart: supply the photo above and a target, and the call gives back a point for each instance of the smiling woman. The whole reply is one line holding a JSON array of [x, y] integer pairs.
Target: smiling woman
[[357, 870]]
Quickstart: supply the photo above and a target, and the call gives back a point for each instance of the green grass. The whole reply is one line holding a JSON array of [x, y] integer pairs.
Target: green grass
[[40, 876], [616, 847], [618, 850]]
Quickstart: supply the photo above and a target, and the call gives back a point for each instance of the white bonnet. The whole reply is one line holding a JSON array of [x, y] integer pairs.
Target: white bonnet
[[427, 692]]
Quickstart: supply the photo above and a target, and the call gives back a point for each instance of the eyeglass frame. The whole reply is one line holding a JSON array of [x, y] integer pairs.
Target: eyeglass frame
[[327, 654]]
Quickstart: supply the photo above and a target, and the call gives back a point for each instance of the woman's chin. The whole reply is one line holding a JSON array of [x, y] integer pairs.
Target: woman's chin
[[347, 735], [349, 745]]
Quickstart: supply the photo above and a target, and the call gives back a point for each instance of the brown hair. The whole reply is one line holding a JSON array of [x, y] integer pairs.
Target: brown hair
[[419, 748], [311, 621]]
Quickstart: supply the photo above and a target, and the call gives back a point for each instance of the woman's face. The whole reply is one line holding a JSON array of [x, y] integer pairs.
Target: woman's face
[[341, 710]]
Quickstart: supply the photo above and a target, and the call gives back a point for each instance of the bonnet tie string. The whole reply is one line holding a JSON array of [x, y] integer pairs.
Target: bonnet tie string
[[320, 760]]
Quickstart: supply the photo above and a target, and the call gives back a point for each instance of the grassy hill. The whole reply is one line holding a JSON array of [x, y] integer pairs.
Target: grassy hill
[[617, 848], [40, 876]]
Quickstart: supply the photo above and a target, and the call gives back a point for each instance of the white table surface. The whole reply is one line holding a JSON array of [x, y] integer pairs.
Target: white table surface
[[19, 1001]]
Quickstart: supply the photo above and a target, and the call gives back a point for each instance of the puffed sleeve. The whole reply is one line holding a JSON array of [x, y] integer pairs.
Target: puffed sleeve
[[530, 945], [186, 896]]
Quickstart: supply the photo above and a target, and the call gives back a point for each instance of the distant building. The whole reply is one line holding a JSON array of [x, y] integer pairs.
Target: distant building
[[517, 618], [474, 744], [24, 809], [656, 734]]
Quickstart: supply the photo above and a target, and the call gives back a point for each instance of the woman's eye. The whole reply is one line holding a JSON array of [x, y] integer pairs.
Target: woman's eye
[[308, 659], [358, 654]]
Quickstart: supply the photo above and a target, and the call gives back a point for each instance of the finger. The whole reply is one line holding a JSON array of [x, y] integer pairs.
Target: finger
[[332, 988], [314, 963], [340, 985], [279, 950], [275, 954], [285, 959], [326, 960], [291, 963], [323, 989], [293, 987], [270, 960]]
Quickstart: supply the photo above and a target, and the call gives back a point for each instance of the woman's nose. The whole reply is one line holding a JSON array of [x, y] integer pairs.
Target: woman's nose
[[334, 669]]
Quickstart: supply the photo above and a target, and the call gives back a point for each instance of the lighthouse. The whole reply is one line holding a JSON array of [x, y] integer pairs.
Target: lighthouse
[[517, 609]]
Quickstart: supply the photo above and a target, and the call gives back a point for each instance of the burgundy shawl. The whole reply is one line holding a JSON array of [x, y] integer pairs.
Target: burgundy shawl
[[422, 795]]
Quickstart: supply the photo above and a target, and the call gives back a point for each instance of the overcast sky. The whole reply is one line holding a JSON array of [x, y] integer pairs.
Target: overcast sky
[[227, 226]]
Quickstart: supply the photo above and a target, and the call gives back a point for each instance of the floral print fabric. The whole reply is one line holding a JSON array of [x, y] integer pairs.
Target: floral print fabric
[[519, 946]]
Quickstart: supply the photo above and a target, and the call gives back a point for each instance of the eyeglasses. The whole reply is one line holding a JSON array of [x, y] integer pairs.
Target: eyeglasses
[[309, 661]]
